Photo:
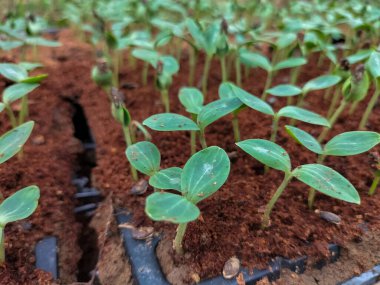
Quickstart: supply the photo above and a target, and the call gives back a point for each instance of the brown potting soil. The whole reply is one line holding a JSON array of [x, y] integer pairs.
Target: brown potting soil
[[230, 224]]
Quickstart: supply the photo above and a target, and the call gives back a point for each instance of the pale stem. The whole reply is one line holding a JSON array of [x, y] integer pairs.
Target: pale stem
[[181, 229], [268, 83], [332, 120], [224, 68], [165, 100], [206, 71], [375, 182], [202, 138], [235, 126], [370, 106], [128, 139]]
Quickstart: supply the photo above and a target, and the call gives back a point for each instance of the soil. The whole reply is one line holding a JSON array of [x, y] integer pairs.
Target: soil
[[230, 223], [48, 161]]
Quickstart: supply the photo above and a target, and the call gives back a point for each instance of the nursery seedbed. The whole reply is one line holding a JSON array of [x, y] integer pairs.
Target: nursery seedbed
[[231, 218], [48, 161]]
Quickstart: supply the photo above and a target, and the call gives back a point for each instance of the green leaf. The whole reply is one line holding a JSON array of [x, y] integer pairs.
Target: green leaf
[[170, 122], [327, 181], [359, 56], [8, 45], [162, 206], [284, 90], [17, 91], [285, 39], [30, 65], [290, 63], [204, 173], [39, 41], [351, 143], [2, 106], [169, 178], [12, 141], [217, 109], [145, 157], [34, 79], [321, 82], [170, 64], [121, 114], [146, 55], [196, 33], [373, 64], [20, 205], [13, 72], [268, 153], [192, 99], [304, 139], [303, 115], [229, 90], [254, 59]]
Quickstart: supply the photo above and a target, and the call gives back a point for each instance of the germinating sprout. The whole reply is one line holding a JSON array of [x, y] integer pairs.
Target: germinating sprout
[[203, 174], [317, 176]]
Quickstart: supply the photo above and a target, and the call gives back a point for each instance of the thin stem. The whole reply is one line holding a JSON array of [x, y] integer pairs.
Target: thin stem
[[165, 100], [192, 64], [181, 229], [289, 101], [370, 106], [274, 128], [235, 126], [206, 71], [202, 138], [238, 71], [116, 68], [375, 182], [301, 98], [268, 83], [294, 75], [353, 107], [2, 250], [128, 139], [334, 101], [24, 112], [193, 136], [224, 68], [11, 116], [145, 73], [273, 200], [332, 120]]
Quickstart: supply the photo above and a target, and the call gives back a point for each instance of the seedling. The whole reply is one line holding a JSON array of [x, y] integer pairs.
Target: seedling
[[229, 90], [254, 59], [376, 180], [354, 90], [203, 174], [373, 66], [207, 115], [21, 204], [166, 66], [317, 176], [345, 144], [24, 84]]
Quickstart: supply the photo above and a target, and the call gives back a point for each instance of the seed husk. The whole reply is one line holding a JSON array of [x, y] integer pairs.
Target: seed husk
[[140, 187], [142, 233], [231, 268], [329, 216]]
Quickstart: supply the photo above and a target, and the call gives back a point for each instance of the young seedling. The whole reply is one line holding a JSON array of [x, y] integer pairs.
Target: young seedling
[[192, 99], [203, 174], [317, 176], [229, 90], [373, 66], [146, 158], [21, 204], [24, 84], [376, 180], [101, 74], [254, 59], [354, 90], [18, 206], [207, 115], [345, 144], [166, 67]]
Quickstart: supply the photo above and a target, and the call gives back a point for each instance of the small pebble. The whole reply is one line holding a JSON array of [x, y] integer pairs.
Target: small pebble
[[328, 216], [140, 187], [231, 268], [38, 140]]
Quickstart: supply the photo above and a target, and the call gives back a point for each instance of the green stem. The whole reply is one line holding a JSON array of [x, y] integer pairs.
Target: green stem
[[11, 116], [370, 106], [334, 101], [332, 120], [202, 138], [128, 139], [224, 68], [289, 101], [235, 126], [274, 128], [181, 229], [116, 69], [273, 200], [375, 182], [353, 107], [238, 71], [206, 71], [2, 249], [145, 73], [192, 64], [24, 112], [294, 75], [268, 82], [193, 136], [165, 100], [312, 192]]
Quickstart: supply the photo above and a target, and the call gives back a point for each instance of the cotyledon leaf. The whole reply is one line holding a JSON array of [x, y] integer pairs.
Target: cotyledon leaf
[[192, 99], [327, 181], [305, 139], [303, 115], [145, 157], [17, 91], [163, 206], [170, 122], [169, 178]]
